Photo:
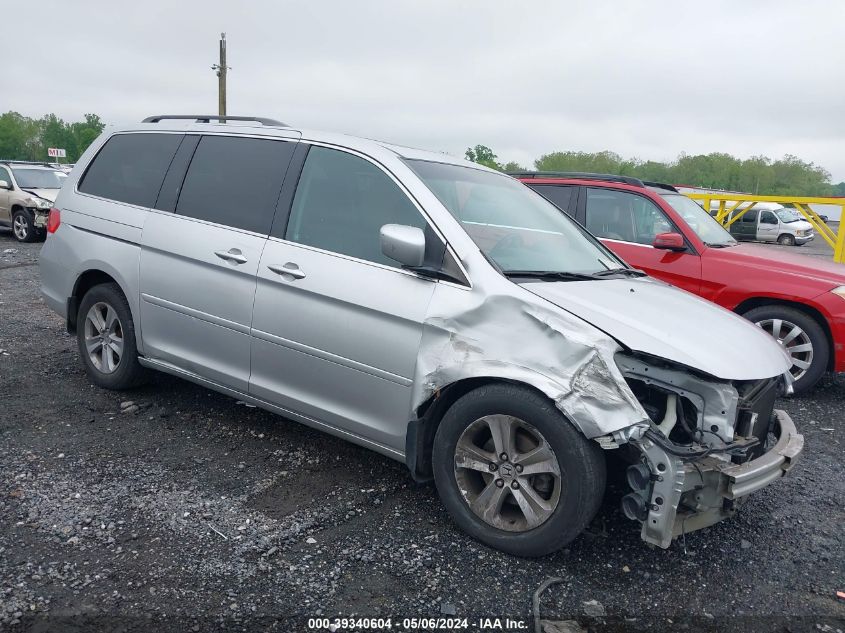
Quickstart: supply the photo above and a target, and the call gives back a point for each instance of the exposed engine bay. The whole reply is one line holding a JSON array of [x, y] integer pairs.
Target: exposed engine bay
[[708, 445]]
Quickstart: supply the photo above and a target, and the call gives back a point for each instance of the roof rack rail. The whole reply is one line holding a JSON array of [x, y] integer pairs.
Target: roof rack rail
[[660, 185], [207, 118], [636, 182], [39, 163]]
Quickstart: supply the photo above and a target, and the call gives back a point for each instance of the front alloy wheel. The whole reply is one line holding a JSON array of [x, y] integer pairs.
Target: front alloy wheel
[[22, 226], [507, 473], [794, 341], [801, 337], [513, 472]]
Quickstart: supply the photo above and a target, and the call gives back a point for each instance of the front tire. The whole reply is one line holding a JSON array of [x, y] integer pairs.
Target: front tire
[[801, 336], [105, 335], [514, 473], [23, 227], [786, 240]]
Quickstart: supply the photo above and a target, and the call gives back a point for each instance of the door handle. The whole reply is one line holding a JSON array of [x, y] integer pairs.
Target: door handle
[[289, 269], [232, 255]]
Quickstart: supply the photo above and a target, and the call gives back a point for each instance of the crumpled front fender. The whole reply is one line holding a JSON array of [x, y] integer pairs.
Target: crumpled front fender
[[525, 339]]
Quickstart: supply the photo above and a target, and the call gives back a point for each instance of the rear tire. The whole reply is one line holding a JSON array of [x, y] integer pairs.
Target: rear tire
[[105, 335], [23, 227], [530, 513], [795, 330], [786, 240]]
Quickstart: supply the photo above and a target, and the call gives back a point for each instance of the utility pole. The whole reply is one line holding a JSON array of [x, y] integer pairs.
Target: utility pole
[[221, 69]]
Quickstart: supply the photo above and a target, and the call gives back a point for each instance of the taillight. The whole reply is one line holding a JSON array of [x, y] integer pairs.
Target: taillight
[[54, 220]]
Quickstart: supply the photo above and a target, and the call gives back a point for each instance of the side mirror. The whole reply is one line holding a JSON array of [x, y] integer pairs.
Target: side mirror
[[405, 244], [669, 242], [5, 185]]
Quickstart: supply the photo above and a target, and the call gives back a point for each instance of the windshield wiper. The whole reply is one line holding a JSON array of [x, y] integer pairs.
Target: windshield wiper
[[720, 244], [549, 275], [630, 272]]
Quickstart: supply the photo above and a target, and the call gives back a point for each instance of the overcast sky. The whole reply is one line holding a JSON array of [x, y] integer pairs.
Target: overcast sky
[[649, 79]]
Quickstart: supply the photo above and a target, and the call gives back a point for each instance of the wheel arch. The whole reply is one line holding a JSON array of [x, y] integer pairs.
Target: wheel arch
[[84, 282], [810, 311], [419, 438]]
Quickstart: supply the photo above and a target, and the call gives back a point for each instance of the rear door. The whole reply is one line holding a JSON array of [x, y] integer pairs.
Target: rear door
[[200, 252], [627, 223], [337, 325], [746, 227]]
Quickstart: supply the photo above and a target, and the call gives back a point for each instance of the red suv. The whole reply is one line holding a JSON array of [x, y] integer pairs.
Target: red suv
[[798, 299]]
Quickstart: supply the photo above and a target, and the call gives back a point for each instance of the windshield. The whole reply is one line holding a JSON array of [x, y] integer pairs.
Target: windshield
[[37, 179], [702, 223], [788, 215], [513, 226]]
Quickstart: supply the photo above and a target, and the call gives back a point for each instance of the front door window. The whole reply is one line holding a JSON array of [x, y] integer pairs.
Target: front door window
[[619, 215]]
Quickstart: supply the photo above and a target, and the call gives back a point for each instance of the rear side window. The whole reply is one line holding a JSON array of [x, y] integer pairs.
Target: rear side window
[[342, 202], [130, 167], [235, 181], [558, 195]]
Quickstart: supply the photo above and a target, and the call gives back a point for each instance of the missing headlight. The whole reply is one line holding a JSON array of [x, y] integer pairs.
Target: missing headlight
[[676, 416]]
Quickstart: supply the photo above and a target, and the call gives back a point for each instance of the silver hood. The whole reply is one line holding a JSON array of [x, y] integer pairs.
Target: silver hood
[[47, 194], [651, 317]]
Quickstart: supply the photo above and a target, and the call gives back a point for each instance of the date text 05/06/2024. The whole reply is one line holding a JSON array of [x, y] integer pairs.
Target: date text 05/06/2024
[[475, 625]]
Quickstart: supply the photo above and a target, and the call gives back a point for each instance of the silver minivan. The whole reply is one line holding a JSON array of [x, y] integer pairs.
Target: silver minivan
[[428, 308]]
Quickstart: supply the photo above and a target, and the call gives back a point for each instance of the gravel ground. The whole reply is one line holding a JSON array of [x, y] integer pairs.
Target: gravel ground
[[174, 508]]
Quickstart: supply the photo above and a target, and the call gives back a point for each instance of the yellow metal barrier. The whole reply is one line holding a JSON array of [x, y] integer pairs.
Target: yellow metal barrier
[[733, 202]]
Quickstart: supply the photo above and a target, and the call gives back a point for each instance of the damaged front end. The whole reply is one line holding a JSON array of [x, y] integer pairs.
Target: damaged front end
[[697, 444], [707, 446], [40, 217]]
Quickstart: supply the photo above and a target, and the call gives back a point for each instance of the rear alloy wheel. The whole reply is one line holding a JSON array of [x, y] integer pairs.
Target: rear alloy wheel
[[786, 240], [514, 473], [105, 335], [22, 227], [801, 336]]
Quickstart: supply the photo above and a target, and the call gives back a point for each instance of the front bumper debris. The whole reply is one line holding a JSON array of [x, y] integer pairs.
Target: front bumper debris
[[689, 494], [39, 218]]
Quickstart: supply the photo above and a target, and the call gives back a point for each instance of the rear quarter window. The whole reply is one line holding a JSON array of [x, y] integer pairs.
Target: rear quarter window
[[130, 168]]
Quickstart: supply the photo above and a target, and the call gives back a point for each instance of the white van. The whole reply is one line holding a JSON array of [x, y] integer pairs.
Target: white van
[[769, 222]]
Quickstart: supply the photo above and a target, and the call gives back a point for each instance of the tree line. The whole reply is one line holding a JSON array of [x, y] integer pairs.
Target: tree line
[[24, 138], [786, 176]]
